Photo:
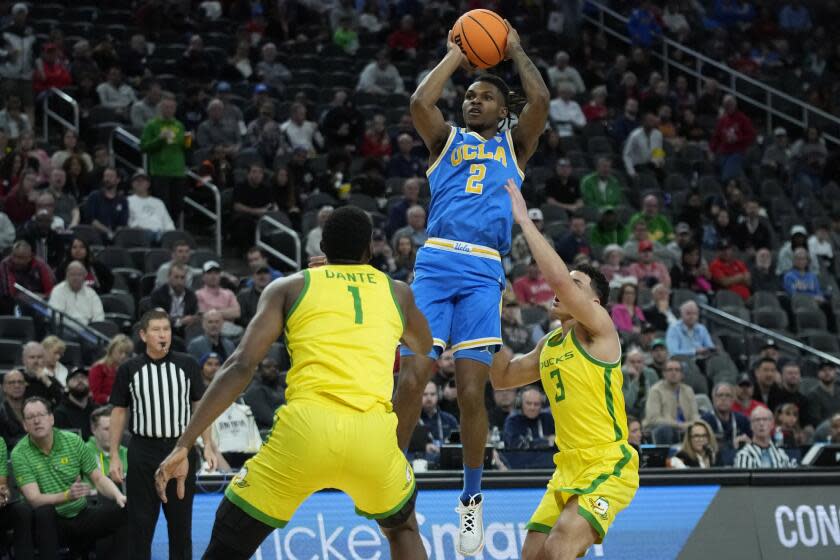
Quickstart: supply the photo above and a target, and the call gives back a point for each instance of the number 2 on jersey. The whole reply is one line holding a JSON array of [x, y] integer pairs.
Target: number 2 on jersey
[[357, 303], [561, 391], [474, 184]]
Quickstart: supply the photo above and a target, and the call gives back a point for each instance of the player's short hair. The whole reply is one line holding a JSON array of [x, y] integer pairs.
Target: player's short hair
[[347, 233], [497, 81], [598, 282]]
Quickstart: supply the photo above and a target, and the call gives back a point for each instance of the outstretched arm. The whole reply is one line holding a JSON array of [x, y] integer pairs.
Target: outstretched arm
[[532, 119], [508, 372], [427, 118], [585, 311]]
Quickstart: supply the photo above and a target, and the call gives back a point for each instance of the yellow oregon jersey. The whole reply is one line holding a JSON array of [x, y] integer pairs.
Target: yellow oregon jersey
[[584, 394], [341, 335]]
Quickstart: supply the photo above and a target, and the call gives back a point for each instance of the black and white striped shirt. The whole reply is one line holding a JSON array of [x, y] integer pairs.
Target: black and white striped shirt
[[159, 393], [750, 457]]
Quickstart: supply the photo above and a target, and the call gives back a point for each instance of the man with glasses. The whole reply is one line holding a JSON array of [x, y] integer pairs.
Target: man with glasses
[[670, 406], [732, 429], [48, 465], [761, 453]]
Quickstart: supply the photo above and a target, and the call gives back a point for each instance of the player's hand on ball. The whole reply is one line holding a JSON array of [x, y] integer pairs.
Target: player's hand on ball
[[455, 50], [520, 209], [513, 42], [176, 465]]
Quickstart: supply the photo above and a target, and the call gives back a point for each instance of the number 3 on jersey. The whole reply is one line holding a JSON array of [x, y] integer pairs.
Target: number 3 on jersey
[[561, 391], [474, 184]]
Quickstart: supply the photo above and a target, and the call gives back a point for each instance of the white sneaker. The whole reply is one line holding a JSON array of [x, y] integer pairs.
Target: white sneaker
[[471, 535]]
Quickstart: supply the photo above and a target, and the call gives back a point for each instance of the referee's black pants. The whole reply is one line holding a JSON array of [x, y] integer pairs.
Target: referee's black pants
[[144, 457]]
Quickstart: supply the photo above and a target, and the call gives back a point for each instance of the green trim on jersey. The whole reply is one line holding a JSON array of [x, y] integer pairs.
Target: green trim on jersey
[[626, 456], [396, 301], [553, 340], [300, 295], [586, 355], [610, 404]]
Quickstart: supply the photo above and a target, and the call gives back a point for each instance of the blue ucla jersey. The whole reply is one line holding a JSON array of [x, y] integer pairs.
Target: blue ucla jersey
[[469, 201]]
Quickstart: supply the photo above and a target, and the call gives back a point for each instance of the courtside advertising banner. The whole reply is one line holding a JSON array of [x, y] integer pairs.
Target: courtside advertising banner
[[655, 526]]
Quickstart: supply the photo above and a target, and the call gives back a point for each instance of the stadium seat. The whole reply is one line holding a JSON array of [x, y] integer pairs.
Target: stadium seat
[[802, 302], [154, 258], [129, 238], [108, 328], [761, 299], [726, 298], [824, 342], [17, 328], [770, 318], [9, 353], [72, 355], [809, 320]]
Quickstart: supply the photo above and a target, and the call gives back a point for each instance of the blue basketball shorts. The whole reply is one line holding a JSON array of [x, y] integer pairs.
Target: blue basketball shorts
[[459, 287]]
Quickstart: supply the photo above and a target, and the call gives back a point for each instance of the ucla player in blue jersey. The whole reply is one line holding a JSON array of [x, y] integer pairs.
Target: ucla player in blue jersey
[[459, 278]]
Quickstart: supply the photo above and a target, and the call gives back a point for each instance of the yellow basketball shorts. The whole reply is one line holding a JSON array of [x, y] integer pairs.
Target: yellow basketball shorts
[[604, 478], [314, 446]]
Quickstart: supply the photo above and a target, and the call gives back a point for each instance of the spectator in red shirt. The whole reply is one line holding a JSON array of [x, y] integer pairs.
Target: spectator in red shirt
[[532, 289], [405, 39], [50, 71], [376, 142], [596, 109], [730, 273], [648, 271], [744, 402], [20, 203], [103, 373], [22, 267], [733, 135]]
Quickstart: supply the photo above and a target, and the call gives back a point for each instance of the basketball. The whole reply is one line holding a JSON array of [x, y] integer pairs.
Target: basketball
[[482, 36]]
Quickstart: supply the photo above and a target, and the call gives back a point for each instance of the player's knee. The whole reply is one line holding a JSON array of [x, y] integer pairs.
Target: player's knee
[[471, 397], [564, 544]]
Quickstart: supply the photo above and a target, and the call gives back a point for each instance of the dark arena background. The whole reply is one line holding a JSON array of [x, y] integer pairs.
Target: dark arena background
[[183, 154]]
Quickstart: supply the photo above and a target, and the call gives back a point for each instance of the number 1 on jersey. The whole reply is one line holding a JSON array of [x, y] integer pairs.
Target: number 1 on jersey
[[474, 184], [357, 303], [561, 391]]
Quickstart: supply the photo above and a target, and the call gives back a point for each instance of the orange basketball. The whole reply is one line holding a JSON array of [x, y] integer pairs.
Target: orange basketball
[[482, 36]]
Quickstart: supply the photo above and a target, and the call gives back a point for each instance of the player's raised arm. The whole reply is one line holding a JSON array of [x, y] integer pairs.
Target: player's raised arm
[[586, 311], [427, 118], [508, 372], [416, 334], [532, 118]]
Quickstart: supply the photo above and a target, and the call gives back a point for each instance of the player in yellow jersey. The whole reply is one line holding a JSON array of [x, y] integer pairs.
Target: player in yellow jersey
[[597, 471], [342, 323]]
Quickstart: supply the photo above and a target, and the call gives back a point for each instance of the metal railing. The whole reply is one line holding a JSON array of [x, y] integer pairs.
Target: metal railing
[[58, 319], [776, 104], [125, 149], [769, 333], [57, 94], [277, 226]]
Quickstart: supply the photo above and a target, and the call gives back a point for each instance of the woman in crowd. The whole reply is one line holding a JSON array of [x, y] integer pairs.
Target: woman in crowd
[[692, 273], [787, 422], [699, 448], [626, 315], [104, 372], [54, 349], [405, 252], [79, 182], [99, 277], [71, 147]]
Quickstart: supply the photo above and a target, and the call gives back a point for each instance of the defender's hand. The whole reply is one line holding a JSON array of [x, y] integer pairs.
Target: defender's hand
[[520, 209], [176, 466]]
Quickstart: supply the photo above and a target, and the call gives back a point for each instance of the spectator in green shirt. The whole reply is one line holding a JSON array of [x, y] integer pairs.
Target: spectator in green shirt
[[658, 224], [164, 141], [14, 514], [49, 465], [601, 188], [607, 230], [100, 442]]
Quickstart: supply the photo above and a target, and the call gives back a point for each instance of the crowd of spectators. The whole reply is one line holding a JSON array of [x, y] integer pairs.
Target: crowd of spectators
[[666, 184]]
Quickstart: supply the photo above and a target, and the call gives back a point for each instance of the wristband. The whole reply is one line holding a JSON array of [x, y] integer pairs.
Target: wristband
[[67, 495]]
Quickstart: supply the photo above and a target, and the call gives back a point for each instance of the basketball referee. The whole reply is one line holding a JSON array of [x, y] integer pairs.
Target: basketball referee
[[155, 393]]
